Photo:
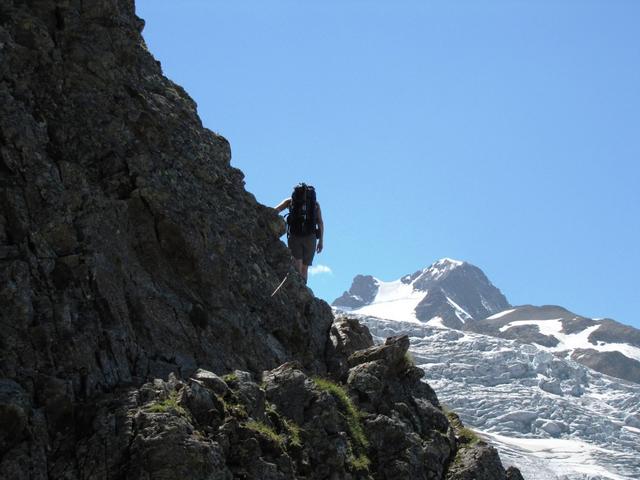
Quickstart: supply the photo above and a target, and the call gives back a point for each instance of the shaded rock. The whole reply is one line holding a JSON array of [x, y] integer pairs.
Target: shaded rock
[[166, 447], [290, 389], [212, 381], [132, 249], [514, 474], [399, 455], [347, 335], [410, 436], [367, 381], [206, 408], [14, 414], [477, 462], [248, 393], [322, 420], [391, 353]]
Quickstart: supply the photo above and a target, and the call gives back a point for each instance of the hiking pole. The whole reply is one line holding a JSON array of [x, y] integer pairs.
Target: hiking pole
[[281, 284]]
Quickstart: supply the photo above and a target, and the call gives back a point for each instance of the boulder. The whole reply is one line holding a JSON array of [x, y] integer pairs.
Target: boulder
[[290, 390], [211, 381], [514, 474], [347, 335], [478, 462], [392, 352]]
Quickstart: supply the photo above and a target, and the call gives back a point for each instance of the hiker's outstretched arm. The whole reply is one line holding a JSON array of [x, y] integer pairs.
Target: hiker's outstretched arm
[[283, 204], [320, 229]]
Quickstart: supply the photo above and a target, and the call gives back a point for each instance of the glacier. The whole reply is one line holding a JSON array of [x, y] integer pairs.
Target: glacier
[[551, 417]]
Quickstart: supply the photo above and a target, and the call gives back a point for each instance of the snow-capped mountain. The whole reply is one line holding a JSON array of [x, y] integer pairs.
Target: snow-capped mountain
[[551, 417], [458, 295], [449, 292]]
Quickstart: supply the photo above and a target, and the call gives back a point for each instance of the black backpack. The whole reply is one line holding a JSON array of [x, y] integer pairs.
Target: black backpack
[[302, 211]]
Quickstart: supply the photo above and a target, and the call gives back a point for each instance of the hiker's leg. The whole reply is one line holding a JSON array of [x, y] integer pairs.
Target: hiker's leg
[[297, 251], [308, 253], [298, 263]]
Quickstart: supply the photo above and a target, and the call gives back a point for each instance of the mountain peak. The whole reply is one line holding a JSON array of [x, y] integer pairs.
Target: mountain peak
[[442, 267], [449, 291], [449, 261], [436, 270]]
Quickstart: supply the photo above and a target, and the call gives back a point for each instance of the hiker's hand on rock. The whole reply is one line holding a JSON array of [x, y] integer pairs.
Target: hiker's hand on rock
[[319, 247]]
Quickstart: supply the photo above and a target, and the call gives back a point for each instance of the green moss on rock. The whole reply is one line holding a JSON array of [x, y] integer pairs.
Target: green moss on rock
[[358, 459]]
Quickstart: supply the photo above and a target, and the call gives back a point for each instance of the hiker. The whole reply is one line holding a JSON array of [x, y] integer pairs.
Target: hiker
[[304, 226]]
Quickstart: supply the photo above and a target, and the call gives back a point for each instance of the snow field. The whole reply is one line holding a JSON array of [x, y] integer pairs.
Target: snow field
[[395, 301]]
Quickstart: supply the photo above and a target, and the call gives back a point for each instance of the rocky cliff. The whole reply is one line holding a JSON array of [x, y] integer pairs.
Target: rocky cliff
[[135, 271]]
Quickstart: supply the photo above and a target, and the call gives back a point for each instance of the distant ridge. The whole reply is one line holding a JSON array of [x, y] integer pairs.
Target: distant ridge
[[456, 294], [604, 345]]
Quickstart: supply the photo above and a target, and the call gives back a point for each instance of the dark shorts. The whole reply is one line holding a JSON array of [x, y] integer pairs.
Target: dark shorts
[[303, 248]]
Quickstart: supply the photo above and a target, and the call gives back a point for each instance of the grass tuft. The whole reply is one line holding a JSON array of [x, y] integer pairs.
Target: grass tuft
[[294, 431], [361, 463], [265, 430], [468, 436], [464, 434], [409, 361], [230, 378], [234, 409], [358, 460], [167, 405]]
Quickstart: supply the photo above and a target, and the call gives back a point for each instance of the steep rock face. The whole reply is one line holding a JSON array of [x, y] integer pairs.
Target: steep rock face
[[129, 248], [135, 268], [129, 245]]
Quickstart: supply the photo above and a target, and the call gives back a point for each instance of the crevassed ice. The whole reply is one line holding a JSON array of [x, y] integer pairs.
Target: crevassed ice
[[587, 429], [560, 456]]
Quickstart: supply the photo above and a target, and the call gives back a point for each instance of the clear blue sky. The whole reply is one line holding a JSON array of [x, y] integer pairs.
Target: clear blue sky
[[503, 133]]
